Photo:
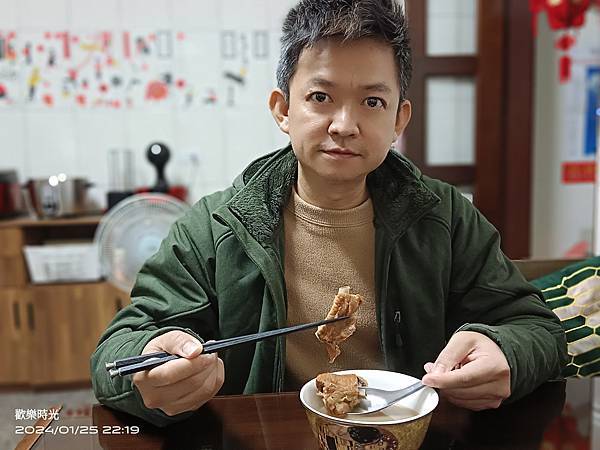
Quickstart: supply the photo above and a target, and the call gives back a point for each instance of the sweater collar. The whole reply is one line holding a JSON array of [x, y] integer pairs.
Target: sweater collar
[[398, 194], [357, 216]]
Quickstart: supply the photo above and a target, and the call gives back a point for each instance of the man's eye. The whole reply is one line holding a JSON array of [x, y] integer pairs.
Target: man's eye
[[319, 97], [375, 102]]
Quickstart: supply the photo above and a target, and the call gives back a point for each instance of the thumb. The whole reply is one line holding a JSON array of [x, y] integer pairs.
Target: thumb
[[178, 343], [458, 347]]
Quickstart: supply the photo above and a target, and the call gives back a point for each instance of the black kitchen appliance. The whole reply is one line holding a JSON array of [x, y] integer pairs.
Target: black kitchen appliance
[[158, 154]]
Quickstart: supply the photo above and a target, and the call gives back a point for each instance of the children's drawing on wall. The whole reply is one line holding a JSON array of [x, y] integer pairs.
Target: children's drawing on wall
[[128, 69], [8, 70], [240, 50]]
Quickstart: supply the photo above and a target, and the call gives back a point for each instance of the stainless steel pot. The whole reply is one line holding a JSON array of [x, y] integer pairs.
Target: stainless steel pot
[[58, 196]]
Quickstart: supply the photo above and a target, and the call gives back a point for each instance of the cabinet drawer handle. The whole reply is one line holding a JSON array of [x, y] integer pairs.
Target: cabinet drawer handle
[[30, 317], [17, 315]]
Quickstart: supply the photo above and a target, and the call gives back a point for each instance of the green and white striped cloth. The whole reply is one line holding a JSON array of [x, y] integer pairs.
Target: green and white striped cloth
[[573, 293]]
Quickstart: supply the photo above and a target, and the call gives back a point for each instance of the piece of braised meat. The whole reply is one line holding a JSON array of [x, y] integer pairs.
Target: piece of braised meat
[[331, 334], [340, 393]]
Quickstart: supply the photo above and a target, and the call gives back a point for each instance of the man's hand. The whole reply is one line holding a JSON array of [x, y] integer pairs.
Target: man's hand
[[481, 375], [184, 384]]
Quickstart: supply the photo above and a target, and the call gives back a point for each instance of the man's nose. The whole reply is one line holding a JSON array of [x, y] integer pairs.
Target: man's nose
[[344, 123]]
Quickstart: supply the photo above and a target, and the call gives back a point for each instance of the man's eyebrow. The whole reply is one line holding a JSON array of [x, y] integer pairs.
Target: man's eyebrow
[[378, 87], [318, 81], [375, 87]]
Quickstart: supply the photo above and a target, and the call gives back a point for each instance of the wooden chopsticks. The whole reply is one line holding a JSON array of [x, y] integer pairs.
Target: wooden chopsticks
[[133, 364]]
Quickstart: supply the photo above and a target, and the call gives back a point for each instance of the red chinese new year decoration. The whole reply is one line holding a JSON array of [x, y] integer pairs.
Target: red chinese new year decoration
[[563, 433], [562, 15]]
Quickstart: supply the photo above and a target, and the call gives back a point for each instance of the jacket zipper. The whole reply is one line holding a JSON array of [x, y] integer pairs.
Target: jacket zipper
[[397, 335], [397, 318], [382, 303]]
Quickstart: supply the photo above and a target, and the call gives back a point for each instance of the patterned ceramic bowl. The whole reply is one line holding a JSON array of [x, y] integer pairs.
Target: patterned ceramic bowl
[[401, 426]]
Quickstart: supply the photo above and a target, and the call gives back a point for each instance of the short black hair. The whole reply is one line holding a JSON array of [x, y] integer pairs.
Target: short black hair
[[313, 20]]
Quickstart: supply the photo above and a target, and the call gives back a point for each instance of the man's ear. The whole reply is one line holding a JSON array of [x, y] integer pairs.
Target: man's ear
[[279, 109], [402, 117]]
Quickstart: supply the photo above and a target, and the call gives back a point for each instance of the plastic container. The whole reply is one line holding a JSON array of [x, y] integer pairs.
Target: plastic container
[[62, 263]]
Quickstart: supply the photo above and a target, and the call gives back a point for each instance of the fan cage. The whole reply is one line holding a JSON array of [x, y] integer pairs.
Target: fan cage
[[142, 219]]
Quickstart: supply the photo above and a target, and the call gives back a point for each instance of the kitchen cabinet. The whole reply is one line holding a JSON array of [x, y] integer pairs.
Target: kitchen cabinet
[[12, 264], [48, 331], [66, 324], [14, 336]]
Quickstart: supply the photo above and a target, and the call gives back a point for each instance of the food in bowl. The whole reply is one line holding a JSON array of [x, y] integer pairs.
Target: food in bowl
[[331, 334], [401, 426], [340, 393]]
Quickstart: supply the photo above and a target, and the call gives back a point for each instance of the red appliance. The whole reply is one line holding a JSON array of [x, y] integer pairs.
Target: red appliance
[[11, 197]]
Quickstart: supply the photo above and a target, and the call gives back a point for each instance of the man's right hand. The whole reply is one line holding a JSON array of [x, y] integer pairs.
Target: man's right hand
[[183, 384]]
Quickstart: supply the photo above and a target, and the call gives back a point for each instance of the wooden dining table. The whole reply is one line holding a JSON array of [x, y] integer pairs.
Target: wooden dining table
[[278, 421]]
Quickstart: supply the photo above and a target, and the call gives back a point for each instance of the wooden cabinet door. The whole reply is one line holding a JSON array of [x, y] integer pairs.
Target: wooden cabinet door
[[14, 337], [116, 298], [13, 272], [68, 322]]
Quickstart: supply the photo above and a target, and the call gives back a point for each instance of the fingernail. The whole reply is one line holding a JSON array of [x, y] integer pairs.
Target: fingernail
[[426, 380], [189, 348], [428, 367]]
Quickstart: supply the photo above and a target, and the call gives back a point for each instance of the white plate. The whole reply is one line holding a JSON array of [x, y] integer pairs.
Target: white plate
[[410, 408]]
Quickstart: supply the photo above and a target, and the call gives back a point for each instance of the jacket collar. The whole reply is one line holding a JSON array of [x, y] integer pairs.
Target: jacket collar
[[399, 196]]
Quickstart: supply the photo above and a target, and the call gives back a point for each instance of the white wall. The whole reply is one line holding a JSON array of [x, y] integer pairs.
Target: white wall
[[562, 213], [38, 140]]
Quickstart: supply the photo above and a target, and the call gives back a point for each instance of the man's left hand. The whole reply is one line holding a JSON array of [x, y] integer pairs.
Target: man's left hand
[[481, 375]]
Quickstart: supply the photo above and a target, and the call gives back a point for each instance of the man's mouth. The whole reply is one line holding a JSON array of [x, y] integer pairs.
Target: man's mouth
[[340, 152]]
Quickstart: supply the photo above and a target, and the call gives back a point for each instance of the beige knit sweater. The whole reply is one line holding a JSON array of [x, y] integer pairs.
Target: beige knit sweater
[[326, 249]]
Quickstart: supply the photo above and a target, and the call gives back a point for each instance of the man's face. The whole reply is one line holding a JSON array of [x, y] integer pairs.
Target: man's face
[[343, 114]]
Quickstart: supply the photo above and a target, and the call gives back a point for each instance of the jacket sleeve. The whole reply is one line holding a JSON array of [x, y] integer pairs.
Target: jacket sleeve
[[489, 295], [173, 291]]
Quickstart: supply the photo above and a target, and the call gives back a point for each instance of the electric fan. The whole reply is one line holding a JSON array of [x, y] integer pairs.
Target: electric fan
[[131, 232]]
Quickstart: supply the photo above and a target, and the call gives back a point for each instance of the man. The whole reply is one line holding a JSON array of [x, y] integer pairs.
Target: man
[[334, 208]]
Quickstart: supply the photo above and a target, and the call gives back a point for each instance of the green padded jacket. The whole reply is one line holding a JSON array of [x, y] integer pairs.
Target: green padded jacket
[[438, 269]]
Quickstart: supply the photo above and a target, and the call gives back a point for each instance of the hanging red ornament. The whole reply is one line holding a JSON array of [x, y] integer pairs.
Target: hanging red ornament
[[564, 68], [566, 13], [565, 42], [562, 15]]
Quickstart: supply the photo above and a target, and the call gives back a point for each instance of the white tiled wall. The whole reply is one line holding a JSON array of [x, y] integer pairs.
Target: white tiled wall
[[95, 15], [13, 152], [51, 143], [49, 14], [245, 15], [194, 14], [9, 16], [210, 143], [147, 13]]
